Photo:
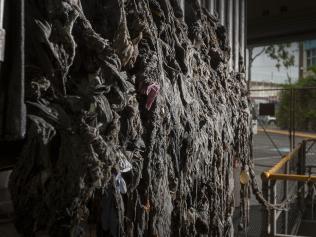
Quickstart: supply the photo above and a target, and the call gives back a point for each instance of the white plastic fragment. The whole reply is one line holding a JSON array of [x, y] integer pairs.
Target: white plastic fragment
[[125, 165], [120, 184]]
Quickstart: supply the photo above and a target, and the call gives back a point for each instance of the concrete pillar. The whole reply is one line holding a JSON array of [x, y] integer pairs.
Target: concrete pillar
[[182, 5], [229, 25], [236, 46], [221, 11], [210, 5], [242, 30]]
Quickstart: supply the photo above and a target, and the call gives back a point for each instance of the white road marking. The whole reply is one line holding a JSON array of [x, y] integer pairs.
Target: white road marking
[[267, 158]]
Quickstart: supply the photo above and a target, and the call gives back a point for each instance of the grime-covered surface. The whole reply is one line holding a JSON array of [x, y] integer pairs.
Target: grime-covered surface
[[134, 121]]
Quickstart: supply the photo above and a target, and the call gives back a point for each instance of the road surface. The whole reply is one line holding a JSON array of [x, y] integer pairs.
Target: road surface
[[266, 154]]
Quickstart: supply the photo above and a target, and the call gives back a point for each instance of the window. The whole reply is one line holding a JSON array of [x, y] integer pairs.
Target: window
[[310, 57]]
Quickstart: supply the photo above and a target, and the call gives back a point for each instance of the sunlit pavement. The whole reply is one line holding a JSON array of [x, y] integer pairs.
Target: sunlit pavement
[[266, 154]]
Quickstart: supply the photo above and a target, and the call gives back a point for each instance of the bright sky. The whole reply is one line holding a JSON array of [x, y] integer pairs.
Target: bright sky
[[263, 68]]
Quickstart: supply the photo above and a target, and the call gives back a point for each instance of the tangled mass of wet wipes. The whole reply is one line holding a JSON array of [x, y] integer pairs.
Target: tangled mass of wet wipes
[[134, 120]]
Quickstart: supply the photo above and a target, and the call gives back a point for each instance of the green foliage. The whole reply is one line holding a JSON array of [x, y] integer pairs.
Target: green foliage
[[305, 104], [281, 54], [313, 69]]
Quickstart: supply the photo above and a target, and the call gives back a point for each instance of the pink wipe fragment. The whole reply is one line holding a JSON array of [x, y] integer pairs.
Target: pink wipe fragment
[[151, 90]]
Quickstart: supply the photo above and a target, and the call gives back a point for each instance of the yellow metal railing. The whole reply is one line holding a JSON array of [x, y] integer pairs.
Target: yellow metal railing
[[272, 174], [291, 167]]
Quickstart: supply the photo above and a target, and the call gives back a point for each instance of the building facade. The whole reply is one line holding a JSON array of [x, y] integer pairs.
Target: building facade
[[309, 53]]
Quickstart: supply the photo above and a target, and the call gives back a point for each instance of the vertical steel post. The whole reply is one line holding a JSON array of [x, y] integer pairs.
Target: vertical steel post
[[290, 120], [236, 35], [266, 218], [312, 207], [304, 157], [301, 170], [273, 211], [285, 196], [294, 120], [287, 167]]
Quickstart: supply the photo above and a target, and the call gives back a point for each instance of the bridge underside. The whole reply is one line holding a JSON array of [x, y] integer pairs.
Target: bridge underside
[[274, 21]]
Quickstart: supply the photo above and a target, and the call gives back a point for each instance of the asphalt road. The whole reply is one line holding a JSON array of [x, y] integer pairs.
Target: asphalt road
[[267, 146], [267, 152]]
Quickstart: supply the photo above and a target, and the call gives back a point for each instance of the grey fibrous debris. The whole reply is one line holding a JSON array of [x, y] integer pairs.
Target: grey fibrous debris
[[132, 82]]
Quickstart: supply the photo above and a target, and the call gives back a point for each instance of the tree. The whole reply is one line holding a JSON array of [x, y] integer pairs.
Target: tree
[[279, 53], [305, 103]]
